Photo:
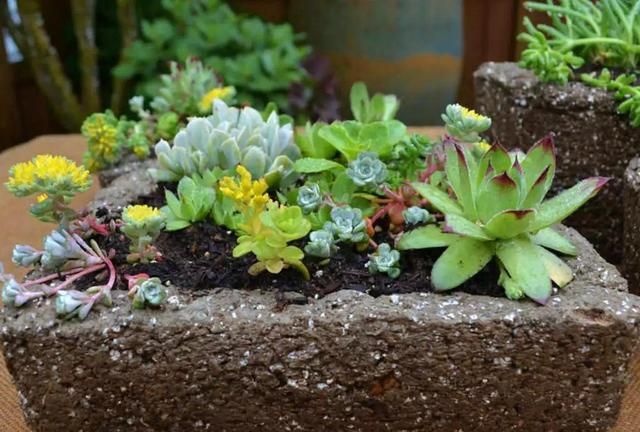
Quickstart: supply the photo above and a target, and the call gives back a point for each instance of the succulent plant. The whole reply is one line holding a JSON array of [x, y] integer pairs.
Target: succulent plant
[[14, 294], [464, 124], [498, 210], [309, 197], [312, 144], [146, 291], [322, 244], [385, 260], [367, 170], [347, 224], [142, 225], [379, 108], [229, 137], [194, 203], [25, 255], [63, 251], [415, 215]]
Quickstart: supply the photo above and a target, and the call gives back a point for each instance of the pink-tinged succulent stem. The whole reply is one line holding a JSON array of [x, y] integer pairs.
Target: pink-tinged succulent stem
[[112, 275], [84, 245], [377, 215], [52, 277], [74, 278], [373, 244]]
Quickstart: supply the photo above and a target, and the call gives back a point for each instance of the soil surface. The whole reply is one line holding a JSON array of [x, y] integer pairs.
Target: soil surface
[[200, 257]]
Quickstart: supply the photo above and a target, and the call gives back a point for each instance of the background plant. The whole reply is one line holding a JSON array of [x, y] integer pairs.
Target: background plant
[[603, 34], [261, 60]]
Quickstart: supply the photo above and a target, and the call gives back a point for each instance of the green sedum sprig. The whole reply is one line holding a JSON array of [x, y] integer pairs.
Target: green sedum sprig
[[625, 88]]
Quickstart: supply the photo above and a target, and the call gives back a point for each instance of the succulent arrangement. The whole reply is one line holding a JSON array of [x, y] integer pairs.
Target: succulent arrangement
[[602, 34], [293, 202]]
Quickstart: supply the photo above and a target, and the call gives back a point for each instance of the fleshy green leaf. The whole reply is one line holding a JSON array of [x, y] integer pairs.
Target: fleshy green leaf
[[562, 205], [539, 157], [521, 259], [539, 189], [459, 225], [463, 259], [314, 165], [497, 158], [510, 223], [438, 199], [429, 236], [343, 187], [458, 175], [558, 270], [178, 224], [498, 194], [551, 239]]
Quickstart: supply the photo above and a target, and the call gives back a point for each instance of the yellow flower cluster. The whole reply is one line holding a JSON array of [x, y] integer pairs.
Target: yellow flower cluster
[[102, 136], [47, 171], [469, 113], [246, 193], [139, 213], [213, 94]]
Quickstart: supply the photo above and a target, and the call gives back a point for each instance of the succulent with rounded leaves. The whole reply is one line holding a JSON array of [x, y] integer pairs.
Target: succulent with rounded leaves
[[385, 260], [367, 170], [62, 251], [14, 294], [464, 124], [347, 224], [142, 225], [498, 211], [72, 303], [309, 197], [322, 244], [147, 292], [416, 215], [25, 255], [227, 138]]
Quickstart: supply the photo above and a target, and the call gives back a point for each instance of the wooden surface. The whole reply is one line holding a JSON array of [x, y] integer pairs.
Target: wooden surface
[[19, 227]]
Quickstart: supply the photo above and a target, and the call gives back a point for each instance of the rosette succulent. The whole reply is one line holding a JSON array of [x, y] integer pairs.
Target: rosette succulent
[[229, 137], [385, 260], [367, 170], [309, 197], [347, 224], [142, 225], [322, 244], [146, 291], [415, 215], [194, 203], [498, 211]]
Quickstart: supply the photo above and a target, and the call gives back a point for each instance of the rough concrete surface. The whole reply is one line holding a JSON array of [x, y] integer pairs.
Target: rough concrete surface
[[591, 138], [631, 200]]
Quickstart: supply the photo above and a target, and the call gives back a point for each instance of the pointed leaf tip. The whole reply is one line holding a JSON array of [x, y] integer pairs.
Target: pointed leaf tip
[[542, 177], [547, 143], [504, 180], [601, 181]]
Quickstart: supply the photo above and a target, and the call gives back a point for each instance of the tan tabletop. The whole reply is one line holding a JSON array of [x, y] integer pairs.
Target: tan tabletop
[[19, 227]]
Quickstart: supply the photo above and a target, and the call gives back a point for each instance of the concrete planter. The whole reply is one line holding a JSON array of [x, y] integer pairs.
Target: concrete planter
[[631, 200], [229, 361], [591, 138]]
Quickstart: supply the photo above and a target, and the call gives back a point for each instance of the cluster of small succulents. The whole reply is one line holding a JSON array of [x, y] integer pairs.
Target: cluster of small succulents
[[354, 186]]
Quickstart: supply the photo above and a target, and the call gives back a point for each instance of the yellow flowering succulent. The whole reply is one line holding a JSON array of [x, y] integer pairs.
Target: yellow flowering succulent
[[142, 225], [246, 193], [104, 139], [223, 93], [55, 179], [465, 124]]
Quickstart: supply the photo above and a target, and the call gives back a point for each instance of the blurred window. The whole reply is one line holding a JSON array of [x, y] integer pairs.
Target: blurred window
[[13, 53]]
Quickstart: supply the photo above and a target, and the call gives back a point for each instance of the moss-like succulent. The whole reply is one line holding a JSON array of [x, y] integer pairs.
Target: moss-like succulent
[[229, 137], [498, 211]]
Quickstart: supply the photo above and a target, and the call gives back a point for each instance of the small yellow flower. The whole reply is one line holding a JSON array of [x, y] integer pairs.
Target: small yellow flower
[[102, 136], [469, 113], [47, 172], [139, 214], [42, 197], [246, 193], [483, 146], [213, 94]]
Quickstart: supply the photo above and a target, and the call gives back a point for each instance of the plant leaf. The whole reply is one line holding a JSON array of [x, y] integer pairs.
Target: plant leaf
[[562, 205], [459, 225], [540, 157], [438, 199], [551, 239], [429, 236], [498, 194], [463, 259], [315, 165], [510, 223], [558, 270], [457, 170], [177, 224], [536, 192], [520, 258]]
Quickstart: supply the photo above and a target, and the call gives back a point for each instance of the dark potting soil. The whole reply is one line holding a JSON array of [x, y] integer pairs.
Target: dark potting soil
[[200, 257]]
